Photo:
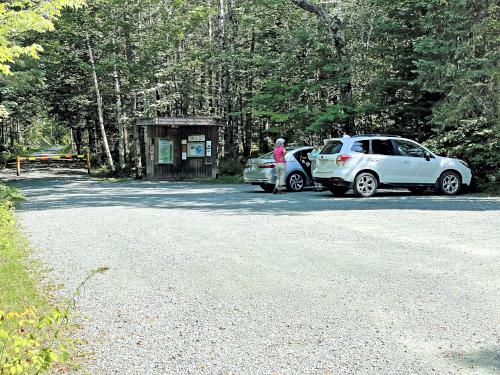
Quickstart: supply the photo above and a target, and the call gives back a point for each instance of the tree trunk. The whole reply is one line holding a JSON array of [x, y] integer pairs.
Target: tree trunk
[[119, 116], [137, 142], [91, 136], [248, 121], [229, 139], [18, 133], [211, 71], [99, 106], [11, 133], [78, 140], [334, 25], [209, 97]]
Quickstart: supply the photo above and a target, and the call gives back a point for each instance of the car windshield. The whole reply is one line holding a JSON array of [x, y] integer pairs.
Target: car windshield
[[332, 147]]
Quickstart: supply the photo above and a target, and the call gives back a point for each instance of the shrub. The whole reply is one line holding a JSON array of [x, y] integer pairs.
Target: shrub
[[30, 337], [30, 344], [9, 195], [5, 156], [230, 167]]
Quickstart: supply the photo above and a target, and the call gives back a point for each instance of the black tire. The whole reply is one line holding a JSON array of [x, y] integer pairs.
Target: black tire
[[295, 181], [365, 185], [338, 190], [417, 190], [267, 187], [450, 183]]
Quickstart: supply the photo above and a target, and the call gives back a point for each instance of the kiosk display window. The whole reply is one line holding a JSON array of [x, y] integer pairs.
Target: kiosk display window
[[196, 149], [165, 151]]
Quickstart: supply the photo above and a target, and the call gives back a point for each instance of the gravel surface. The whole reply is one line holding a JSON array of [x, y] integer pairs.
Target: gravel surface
[[226, 279]]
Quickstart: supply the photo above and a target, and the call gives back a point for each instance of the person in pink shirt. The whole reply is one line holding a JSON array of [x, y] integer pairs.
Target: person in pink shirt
[[280, 165]]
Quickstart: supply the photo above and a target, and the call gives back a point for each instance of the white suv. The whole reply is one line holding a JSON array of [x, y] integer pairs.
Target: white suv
[[367, 162]]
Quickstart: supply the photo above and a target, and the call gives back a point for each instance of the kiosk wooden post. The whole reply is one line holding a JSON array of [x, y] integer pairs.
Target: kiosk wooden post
[[18, 165]]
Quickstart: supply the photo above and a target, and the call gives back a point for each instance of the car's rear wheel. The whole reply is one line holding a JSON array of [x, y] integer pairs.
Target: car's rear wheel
[[450, 183], [295, 181], [267, 187], [338, 190], [365, 184]]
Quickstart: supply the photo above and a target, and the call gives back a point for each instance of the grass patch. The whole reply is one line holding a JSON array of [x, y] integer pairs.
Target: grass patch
[[237, 179], [17, 288], [31, 328]]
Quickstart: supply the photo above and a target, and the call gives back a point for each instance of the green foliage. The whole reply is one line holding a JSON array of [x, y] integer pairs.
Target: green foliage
[[299, 91], [427, 70], [230, 167], [20, 16], [30, 338], [17, 288], [9, 196], [30, 343], [33, 333], [458, 57], [117, 175]]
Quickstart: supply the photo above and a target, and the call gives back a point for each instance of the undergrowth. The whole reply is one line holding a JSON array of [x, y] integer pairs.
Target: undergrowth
[[33, 328]]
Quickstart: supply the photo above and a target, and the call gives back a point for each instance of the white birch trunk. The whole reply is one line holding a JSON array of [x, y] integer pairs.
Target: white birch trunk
[[119, 116], [137, 141], [99, 105]]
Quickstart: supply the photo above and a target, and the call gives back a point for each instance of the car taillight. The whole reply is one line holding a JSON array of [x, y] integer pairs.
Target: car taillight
[[267, 165], [341, 159]]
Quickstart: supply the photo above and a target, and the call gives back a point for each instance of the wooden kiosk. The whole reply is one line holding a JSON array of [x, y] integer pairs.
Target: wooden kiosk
[[179, 148]]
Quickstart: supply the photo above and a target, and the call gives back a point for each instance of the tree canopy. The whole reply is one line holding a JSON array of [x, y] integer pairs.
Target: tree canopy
[[20, 16], [305, 70]]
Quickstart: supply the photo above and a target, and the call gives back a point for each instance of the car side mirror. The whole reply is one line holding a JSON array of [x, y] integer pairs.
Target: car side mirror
[[427, 155]]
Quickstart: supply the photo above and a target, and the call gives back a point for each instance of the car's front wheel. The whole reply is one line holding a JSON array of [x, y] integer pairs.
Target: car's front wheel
[[338, 190], [267, 187], [295, 181], [365, 184], [450, 183]]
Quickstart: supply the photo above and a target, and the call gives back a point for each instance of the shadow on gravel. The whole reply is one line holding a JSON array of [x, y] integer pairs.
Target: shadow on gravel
[[487, 359], [64, 193]]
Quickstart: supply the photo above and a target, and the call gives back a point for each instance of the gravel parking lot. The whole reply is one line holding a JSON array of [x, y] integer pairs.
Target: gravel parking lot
[[226, 279]]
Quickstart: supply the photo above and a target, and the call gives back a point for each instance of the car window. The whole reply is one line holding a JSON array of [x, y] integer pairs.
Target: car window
[[301, 156], [332, 147], [362, 147], [407, 148], [382, 147]]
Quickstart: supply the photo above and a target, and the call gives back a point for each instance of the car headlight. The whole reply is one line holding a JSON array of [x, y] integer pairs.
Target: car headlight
[[464, 163]]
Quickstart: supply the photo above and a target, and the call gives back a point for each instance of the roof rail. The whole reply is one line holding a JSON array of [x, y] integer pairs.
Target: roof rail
[[375, 135]]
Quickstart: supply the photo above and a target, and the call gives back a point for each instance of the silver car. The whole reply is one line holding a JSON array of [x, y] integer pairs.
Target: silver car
[[260, 171]]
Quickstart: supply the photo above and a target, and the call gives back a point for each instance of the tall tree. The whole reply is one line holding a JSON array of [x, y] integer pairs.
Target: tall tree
[[334, 25], [458, 60], [99, 104]]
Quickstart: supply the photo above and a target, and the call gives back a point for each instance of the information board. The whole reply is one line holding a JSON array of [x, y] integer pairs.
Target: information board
[[196, 149], [165, 151]]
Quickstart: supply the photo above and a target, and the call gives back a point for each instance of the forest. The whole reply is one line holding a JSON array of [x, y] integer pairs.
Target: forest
[[80, 73]]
